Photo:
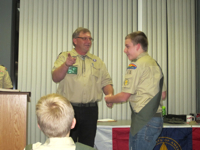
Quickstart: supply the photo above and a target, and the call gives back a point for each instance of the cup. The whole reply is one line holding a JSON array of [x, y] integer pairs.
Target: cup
[[189, 118], [198, 118]]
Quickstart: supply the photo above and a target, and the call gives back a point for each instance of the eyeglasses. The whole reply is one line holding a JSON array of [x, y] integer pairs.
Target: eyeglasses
[[86, 38]]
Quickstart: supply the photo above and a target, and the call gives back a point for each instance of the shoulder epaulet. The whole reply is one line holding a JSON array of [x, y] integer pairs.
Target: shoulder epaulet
[[59, 55]]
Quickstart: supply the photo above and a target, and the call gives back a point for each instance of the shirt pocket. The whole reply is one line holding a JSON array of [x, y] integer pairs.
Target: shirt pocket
[[73, 70], [127, 81], [96, 70]]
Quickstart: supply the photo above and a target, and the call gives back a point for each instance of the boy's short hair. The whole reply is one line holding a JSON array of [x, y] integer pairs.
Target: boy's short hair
[[54, 115], [78, 31], [139, 37]]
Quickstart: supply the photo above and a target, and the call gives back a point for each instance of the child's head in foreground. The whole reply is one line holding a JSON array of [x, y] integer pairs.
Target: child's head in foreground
[[55, 115]]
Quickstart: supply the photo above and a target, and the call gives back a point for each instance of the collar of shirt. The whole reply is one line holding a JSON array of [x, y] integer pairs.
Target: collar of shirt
[[60, 140], [141, 55], [75, 54]]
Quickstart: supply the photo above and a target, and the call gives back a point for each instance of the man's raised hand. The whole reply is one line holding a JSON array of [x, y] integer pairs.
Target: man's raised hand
[[70, 60]]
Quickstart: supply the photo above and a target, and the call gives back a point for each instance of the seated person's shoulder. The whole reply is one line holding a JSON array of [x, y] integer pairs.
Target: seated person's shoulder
[[33, 146], [80, 146], [2, 68]]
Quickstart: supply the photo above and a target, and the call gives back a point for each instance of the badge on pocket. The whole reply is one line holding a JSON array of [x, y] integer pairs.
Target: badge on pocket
[[72, 70]]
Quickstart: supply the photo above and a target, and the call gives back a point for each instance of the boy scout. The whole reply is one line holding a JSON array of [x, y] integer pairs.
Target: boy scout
[[142, 87]]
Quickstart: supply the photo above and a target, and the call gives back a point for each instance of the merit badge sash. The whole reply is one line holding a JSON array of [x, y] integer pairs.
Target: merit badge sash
[[72, 70]]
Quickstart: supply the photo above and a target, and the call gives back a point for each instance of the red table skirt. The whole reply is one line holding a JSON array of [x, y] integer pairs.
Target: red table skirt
[[170, 138]]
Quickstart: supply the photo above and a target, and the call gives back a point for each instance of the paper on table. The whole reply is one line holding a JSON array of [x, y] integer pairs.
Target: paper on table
[[106, 120], [8, 90]]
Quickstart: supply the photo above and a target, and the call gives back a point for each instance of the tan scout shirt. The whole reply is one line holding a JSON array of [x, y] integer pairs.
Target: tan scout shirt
[[5, 81], [86, 85], [142, 81], [65, 143]]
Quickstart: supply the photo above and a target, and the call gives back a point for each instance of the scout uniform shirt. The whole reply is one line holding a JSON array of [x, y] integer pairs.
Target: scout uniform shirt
[[144, 81], [84, 80], [5, 81], [58, 143]]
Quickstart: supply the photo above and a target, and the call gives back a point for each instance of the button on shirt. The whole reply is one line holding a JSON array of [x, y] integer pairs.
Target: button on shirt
[[83, 83], [5, 81], [142, 81]]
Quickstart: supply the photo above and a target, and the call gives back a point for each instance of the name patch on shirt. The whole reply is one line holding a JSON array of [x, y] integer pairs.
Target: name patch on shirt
[[72, 70], [132, 66]]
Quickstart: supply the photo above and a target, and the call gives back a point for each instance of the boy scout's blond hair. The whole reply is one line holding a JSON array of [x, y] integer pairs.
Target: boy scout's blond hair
[[54, 115], [139, 37]]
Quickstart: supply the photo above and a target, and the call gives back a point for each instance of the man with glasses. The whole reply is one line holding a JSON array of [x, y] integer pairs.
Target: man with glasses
[[83, 78]]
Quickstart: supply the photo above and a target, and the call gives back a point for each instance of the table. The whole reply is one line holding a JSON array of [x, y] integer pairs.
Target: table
[[103, 139], [115, 135]]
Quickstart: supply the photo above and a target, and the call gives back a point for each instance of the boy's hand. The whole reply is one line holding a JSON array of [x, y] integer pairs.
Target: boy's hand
[[108, 103]]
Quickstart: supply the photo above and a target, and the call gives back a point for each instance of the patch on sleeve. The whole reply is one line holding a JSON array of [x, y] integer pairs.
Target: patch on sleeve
[[132, 66], [59, 55]]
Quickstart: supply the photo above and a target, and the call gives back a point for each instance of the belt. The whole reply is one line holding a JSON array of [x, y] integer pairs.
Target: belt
[[84, 104], [157, 115]]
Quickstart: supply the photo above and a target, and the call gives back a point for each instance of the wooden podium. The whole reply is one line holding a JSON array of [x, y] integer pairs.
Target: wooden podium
[[13, 120]]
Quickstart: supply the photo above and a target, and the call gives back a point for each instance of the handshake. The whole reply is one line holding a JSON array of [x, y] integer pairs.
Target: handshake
[[109, 104]]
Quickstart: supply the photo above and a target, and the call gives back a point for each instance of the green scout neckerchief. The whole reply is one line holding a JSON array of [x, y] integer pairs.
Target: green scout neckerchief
[[139, 120]]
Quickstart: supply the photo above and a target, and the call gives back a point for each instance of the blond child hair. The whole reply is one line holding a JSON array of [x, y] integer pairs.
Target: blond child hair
[[54, 115]]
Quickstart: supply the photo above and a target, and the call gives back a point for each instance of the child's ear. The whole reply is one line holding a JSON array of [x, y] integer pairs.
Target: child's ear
[[38, 126], [73, 123]]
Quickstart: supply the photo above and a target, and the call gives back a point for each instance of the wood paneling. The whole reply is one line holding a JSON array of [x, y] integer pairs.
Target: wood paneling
[[13, 121]]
